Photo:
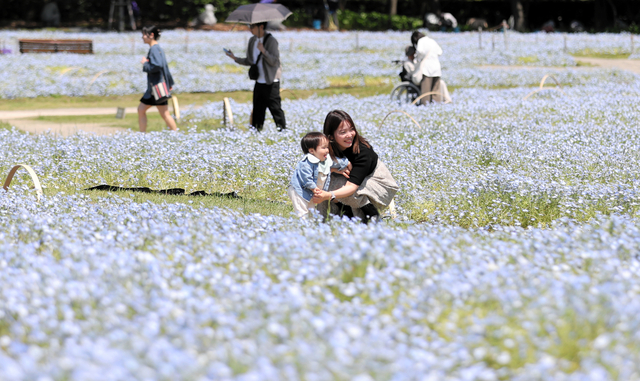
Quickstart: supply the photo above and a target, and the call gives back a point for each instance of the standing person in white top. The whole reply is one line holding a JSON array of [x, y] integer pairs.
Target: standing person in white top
[[263, 51], [427, 52]]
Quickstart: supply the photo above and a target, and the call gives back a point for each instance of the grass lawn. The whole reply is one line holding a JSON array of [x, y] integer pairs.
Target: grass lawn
[[130, 121], [341, 87], [245, 205], [587, 53]]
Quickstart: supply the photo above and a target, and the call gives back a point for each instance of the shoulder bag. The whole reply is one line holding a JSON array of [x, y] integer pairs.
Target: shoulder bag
[[161, 92], [254, 72]]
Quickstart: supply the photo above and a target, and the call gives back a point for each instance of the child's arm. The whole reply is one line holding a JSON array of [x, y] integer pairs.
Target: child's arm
[[342, 166], [305, 172], [341, 163]]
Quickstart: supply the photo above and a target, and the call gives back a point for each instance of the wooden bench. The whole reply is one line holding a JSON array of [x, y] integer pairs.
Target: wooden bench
[[56, 46]]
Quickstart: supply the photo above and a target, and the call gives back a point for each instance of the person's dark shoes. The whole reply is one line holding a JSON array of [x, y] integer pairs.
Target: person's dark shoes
[[371, 214], [254, 128], [280, 128], [345, 210]]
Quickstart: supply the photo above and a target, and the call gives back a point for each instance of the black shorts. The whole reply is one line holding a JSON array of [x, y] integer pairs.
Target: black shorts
[[152, 102]]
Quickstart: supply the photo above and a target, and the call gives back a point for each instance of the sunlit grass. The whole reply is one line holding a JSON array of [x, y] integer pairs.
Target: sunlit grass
[[228, 68], [358, 81], [245, 203], [371, 86], [590, 53], [130, 121]]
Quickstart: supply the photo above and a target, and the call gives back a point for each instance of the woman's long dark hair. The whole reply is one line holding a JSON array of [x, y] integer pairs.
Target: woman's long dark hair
[[415, 36], [331, 123]]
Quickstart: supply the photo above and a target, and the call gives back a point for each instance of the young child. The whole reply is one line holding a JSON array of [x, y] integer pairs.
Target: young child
[[313, 171]]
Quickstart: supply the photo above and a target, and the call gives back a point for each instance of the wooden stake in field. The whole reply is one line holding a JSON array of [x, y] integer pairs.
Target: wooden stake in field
[[480, 37], [504, 33], [357, 41], [186, 43], [493, 42], [565, 43], [226, 113], [176, 107]]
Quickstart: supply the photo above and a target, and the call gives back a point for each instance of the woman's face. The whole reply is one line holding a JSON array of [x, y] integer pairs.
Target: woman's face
[[256, 30], [147, 38], [344, 135]]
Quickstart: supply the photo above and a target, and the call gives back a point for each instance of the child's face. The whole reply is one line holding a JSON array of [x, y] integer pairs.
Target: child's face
[[321, 151]]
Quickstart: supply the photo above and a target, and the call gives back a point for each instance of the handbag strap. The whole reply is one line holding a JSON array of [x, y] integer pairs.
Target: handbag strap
[[263, 42]]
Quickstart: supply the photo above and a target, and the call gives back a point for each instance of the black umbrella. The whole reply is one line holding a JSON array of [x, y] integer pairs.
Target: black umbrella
[[256, 13]]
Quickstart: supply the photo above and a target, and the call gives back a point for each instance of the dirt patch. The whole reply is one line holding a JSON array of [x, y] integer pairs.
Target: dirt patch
[[529, 67], [62, 129], [622, 64], [19, 114]]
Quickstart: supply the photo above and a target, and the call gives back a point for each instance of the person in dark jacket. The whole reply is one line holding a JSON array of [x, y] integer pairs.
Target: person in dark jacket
[[263, 51], [157, 69]]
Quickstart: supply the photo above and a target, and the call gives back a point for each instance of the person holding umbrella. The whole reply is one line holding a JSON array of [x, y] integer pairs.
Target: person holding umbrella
[[263, 52]]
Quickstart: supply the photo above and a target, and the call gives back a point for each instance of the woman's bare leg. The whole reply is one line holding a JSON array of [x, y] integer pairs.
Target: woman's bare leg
[[142, 116], [425, 87], [164, 113]]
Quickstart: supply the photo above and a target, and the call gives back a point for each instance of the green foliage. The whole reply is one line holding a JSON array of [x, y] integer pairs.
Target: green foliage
[[377, 21], [224, 7], [299, 18]]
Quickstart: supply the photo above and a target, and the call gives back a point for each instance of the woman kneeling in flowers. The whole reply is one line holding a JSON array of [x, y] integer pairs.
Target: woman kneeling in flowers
[[369, 188]]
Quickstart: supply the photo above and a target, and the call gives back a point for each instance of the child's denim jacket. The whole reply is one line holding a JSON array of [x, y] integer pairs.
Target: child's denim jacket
[[305, 176]]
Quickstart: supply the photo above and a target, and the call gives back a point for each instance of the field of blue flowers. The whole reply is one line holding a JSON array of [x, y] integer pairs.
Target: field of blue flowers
[[311, 60], [514, 255]]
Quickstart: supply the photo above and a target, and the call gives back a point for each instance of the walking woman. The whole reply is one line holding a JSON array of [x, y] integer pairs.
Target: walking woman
[[157, 69], [365, 189], [427, 52], [263, 52]]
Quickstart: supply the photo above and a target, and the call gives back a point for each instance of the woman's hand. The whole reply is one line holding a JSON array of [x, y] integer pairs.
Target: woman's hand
[[345, 172], [320, 196], [231, 55], [144, 60], [261, 48]]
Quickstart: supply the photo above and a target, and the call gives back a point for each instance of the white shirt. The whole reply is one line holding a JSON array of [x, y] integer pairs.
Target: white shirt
[[449, 17], [256, 52], [414, 72], [323, 166], [427, 53]]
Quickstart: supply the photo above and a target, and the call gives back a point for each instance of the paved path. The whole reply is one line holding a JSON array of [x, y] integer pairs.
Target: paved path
[[609, 63], [19, 114], [623, 64], [63, 129], [18, 119]]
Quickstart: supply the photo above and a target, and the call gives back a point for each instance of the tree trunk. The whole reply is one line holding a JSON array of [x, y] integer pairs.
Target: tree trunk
[[434, 6], [393, 10], [517, 9], [600, 14]]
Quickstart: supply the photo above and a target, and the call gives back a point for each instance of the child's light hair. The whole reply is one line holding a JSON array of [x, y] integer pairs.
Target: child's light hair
[[312, 140]]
